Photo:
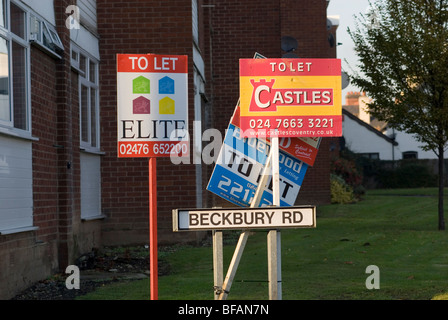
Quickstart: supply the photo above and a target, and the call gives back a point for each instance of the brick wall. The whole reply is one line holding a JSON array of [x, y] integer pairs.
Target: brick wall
[[230, 30], [31, 256], [238, 30], [45, 158], [241, 28], [305, 20], [68, 153], [161, 27]]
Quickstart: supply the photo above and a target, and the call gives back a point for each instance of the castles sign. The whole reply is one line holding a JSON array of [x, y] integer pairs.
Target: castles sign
[[290, 97]]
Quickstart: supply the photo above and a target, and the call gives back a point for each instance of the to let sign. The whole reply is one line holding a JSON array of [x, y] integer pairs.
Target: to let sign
[[290, 97], [240, 165], [152, 105], [250, 218], [303, 148]]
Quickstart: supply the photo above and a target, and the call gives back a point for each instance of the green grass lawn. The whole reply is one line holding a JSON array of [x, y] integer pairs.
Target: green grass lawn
[[395, 230]]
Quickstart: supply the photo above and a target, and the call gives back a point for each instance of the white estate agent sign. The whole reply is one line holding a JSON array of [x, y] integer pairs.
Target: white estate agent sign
[[247, 218], [152, 99]]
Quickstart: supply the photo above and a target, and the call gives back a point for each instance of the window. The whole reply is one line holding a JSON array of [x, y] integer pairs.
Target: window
[[195, 21], [44, 35], [410, 155], [90, 186], [16, 185], [14, 67], [87, 68], [88, 14], [2, 14], [371, 156], [16, 176], [85, 62], [199, 87]]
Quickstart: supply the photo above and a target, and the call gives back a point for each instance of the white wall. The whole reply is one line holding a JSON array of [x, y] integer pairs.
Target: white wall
[[407, 142], [45, 8], [90, 185], [16, 183], [361, 140]]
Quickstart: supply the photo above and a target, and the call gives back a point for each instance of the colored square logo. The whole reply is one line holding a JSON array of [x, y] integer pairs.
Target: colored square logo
[[141, 85], [166, 106], [166, 85], [141, 105]]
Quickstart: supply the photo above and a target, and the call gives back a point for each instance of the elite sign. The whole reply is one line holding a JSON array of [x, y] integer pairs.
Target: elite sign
[[152, 99], [290, 97]]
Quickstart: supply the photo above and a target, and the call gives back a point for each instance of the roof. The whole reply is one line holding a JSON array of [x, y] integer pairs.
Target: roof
[[369, 127]]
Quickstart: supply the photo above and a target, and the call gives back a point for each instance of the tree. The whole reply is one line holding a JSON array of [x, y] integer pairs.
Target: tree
[[402, 48]]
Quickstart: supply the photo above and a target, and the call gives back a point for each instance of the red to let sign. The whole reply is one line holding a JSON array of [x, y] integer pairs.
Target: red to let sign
[[290, 97], [152, 105]]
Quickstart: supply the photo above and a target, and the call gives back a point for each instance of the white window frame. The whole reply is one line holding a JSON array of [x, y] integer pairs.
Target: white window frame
[[409, 154], [39, 28], [7, 126], [84, 80], [195, 21]]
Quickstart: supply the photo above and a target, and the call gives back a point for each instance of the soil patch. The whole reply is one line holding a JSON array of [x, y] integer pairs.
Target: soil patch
[[97, 268]]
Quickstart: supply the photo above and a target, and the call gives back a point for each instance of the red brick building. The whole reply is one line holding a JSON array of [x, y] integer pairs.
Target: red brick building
[[63, 191]]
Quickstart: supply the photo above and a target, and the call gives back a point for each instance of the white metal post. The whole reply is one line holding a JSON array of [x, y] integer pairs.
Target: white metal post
[[274, 236], [217, 262], [244, 235]]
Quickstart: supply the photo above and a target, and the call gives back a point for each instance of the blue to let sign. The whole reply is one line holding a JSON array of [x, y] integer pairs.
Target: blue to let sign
[[239, 168]]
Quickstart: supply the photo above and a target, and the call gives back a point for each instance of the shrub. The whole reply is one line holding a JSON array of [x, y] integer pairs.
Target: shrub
[[407, 175], [345, 167], [341, 192]]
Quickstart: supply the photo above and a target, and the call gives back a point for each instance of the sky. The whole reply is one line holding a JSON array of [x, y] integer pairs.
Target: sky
[[346, 9]]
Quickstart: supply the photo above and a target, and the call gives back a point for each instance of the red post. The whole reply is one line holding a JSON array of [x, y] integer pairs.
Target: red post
[[153, 228]]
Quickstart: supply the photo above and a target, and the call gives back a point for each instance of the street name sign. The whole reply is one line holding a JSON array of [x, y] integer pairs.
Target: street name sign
[[247, 218], [290, 97], [152, 105]]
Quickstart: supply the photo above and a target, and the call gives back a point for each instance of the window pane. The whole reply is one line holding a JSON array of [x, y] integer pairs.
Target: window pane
[[46, 38], [410, 155], [55, 38], [82, 63], [74, 56], [35, 29], [194, 6], [84, 114], [93, 117], [4, 81], [2, 13], [92, 72], [19, 86], [17, 21]]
